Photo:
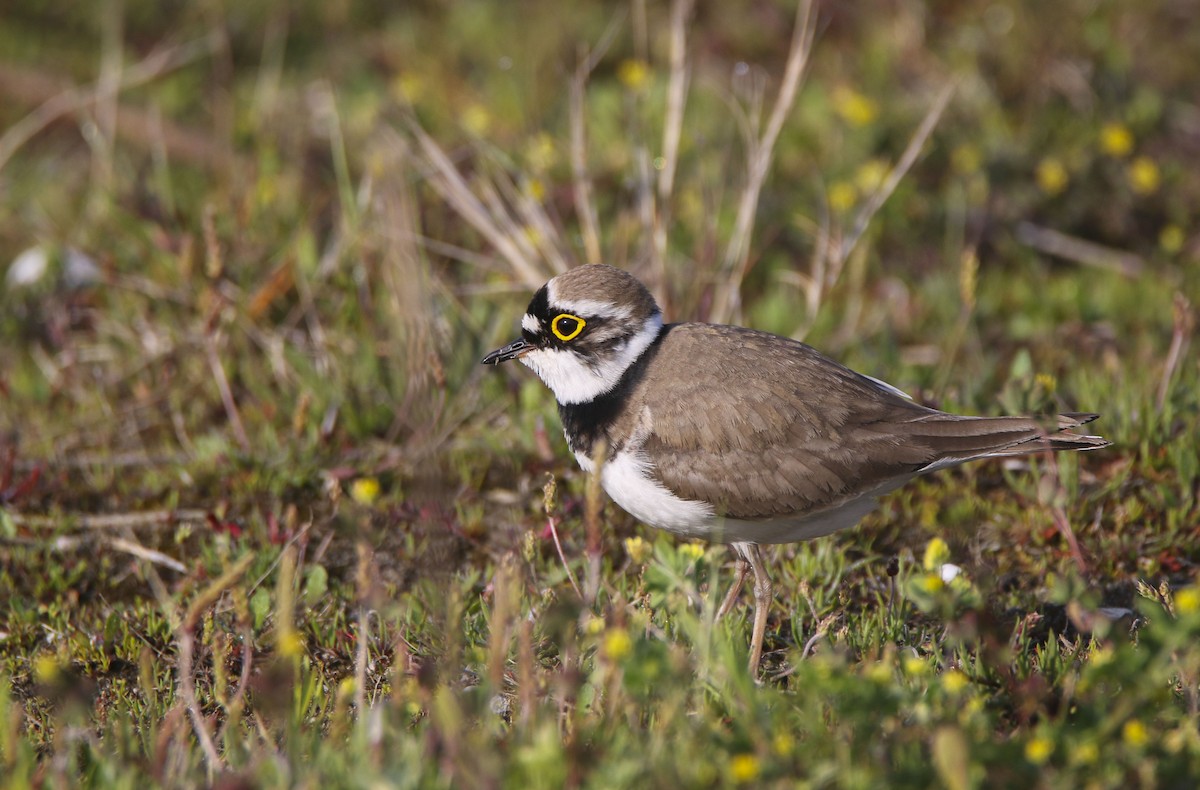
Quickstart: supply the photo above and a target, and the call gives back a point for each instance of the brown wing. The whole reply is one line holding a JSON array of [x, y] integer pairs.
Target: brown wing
[[789, 431]]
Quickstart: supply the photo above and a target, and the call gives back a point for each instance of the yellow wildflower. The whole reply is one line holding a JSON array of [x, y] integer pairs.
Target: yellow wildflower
[[744, 768], [955, 681], [637, 548], [842, 196], [633, 73], [477, 119], [1187, 600], [290, 643], [853, 107], [1144, 176], [693, 551], [409, 86], [364, 490], [1085, 753], [1171, 239], [1052, 177], [46, 669], [1134, 733], [1039, 749], [916, 667], [930, 583], [1116, 139], [617, 644], [880, 672], [541, 152], [870, 175], [594, 626], [937, 554]]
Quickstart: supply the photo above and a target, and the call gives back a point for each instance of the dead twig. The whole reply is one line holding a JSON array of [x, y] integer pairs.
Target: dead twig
[[822, 630], [1088, 253], [149, 555], [110, 521]]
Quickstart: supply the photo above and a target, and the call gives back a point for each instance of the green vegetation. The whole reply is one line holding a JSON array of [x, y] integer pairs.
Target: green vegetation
[[265, 520]]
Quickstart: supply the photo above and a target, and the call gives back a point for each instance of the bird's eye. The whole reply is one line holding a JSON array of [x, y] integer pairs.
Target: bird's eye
[[566, 326]]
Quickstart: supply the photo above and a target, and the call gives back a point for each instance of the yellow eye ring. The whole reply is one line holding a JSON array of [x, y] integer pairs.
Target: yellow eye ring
[[564, 336]]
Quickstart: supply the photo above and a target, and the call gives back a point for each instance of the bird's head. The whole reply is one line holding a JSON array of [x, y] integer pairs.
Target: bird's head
[[582, 331]]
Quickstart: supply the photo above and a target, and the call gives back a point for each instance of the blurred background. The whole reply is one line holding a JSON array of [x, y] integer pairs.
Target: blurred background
[[187, 184]]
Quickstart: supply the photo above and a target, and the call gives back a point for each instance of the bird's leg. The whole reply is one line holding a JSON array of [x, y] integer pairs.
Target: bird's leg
[[740, 569], [763, 591]]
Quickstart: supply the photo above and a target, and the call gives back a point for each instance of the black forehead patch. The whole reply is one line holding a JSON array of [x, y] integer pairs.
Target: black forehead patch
[[539, 306]]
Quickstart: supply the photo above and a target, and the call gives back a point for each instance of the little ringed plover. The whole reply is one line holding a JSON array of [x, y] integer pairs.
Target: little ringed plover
[[734, 435]]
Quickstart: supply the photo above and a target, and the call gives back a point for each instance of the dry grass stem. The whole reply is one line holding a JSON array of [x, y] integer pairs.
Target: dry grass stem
[[108, 88], [74, 100], [112, 521], [548, 504], [759, 155], [187, 637], [150, 555], [1181, 336], [867, 212], [227, 399], [585, 206], [363, 577], [677, 88], [593, 504], [1088, 253], [445, 179]]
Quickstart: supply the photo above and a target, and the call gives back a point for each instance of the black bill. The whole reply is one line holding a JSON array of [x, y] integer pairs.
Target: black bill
[[515, 349]]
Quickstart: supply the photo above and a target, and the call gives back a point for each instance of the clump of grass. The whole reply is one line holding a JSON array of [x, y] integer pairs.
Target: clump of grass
[[642, 686]]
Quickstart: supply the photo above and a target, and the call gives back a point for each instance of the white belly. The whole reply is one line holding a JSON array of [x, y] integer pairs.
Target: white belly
[[626, 481]]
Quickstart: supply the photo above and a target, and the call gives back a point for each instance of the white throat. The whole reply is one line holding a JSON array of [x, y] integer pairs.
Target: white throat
[[573, 380]]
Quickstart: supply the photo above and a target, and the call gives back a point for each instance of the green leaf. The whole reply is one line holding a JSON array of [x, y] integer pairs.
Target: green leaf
[[260, 606], [316, 584]]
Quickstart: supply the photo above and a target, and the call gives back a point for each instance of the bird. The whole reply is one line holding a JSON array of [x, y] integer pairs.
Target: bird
[[734, 435]]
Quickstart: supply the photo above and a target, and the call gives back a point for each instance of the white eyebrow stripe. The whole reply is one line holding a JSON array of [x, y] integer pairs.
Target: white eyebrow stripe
[[530, 323], [584, 308], [592, 308]]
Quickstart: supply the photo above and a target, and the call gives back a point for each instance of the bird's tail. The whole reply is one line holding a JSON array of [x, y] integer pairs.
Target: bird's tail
[[956, 439]]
